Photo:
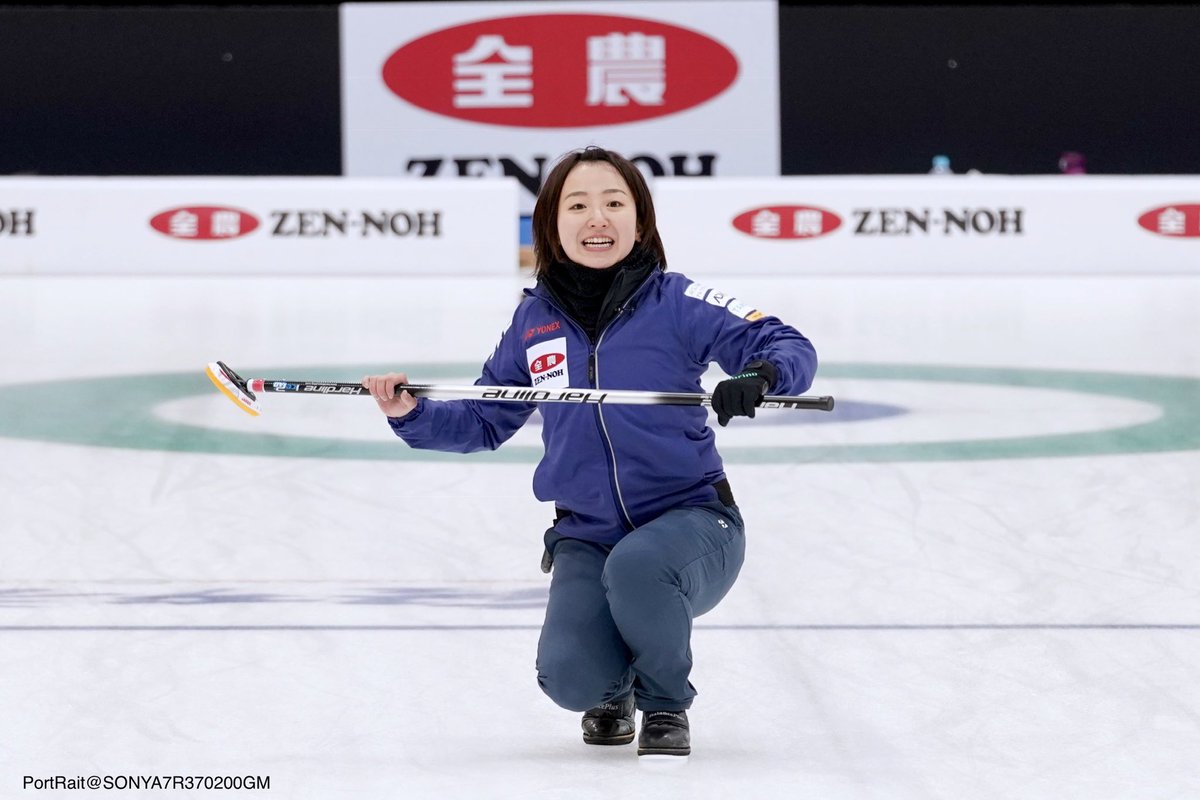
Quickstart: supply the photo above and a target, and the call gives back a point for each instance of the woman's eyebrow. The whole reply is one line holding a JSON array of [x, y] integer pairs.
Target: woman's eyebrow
[[605, 191]]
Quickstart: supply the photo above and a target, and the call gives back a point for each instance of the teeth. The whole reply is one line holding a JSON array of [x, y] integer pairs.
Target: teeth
[[597, 241]]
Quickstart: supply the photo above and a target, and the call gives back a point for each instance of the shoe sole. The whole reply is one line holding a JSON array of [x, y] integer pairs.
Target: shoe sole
[[608, 740], [664, 752]]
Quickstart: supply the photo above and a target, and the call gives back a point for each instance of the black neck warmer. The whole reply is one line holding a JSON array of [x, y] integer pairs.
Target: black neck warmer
[[591, 296]]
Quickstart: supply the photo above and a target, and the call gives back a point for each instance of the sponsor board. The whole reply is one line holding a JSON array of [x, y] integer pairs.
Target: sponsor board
[[485, 71], [203, 223], [260, 226], [1178, 220], [206, 223], [506, 89], [918, 224], [787, 222], [807, 222], [17, 222], [946, 221]]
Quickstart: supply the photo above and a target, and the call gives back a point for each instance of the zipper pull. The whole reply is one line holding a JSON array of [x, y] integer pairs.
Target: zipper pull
[[592, 368]]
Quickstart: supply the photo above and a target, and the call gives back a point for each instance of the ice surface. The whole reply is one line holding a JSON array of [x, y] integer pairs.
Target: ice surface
[[927, 625]]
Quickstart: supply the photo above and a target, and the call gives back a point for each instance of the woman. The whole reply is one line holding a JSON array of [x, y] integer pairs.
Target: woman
[[647, 534]]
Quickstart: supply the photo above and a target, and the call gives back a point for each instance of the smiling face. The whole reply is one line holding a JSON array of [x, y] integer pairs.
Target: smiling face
[[597, 217]]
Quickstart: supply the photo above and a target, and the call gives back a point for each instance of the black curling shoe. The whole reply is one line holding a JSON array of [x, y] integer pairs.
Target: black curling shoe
[[609, 723], [665, 733]]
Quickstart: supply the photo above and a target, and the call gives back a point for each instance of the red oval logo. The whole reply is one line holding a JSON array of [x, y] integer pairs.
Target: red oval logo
[[560, 70], [1181, 220], [787, 222], [204, 222], [548, 361]]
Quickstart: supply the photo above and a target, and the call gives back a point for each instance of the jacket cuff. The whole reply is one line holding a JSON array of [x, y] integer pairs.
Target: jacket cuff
[[765, 368], [397, 423]]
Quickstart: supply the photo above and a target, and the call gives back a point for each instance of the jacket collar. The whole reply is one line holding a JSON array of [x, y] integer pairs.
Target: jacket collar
[[632, 277]]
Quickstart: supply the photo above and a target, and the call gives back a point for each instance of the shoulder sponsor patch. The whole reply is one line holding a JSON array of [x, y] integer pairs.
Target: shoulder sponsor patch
[[719, 299], [548, 363]]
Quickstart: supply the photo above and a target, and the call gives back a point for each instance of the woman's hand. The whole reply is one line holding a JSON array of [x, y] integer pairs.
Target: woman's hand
[[383, 389]]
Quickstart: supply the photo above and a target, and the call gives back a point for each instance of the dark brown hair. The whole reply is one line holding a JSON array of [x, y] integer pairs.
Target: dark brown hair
[[547, 249]]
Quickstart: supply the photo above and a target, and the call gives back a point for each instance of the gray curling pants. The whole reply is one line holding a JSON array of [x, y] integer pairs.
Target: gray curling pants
[[620, 616]]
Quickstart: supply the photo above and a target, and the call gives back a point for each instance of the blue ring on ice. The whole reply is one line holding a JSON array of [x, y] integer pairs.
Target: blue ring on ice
[[118, 411]]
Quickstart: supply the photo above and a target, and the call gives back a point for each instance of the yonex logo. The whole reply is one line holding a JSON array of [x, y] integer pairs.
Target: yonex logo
[[538, 330]]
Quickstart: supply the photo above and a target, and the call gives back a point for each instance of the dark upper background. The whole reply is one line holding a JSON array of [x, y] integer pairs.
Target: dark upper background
[[244, 90]]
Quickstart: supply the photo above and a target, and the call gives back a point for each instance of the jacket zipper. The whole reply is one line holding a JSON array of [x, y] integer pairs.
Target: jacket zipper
[[594, 379]]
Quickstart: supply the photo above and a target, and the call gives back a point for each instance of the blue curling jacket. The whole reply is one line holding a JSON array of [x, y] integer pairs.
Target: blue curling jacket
[[617, 467]]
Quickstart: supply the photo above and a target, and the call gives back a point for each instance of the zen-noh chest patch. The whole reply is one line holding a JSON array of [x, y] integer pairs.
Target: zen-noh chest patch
[[548, 363]]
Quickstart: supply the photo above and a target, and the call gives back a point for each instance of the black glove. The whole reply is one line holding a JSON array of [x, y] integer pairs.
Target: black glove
[[737, 396]]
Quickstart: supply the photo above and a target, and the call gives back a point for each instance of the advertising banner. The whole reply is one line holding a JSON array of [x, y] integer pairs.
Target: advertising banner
[[257, 226], [931, 224], [461, 90]]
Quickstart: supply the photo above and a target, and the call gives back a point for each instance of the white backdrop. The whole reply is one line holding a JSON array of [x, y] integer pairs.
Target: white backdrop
[[963, 224], [737, 128], [259, 226]]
